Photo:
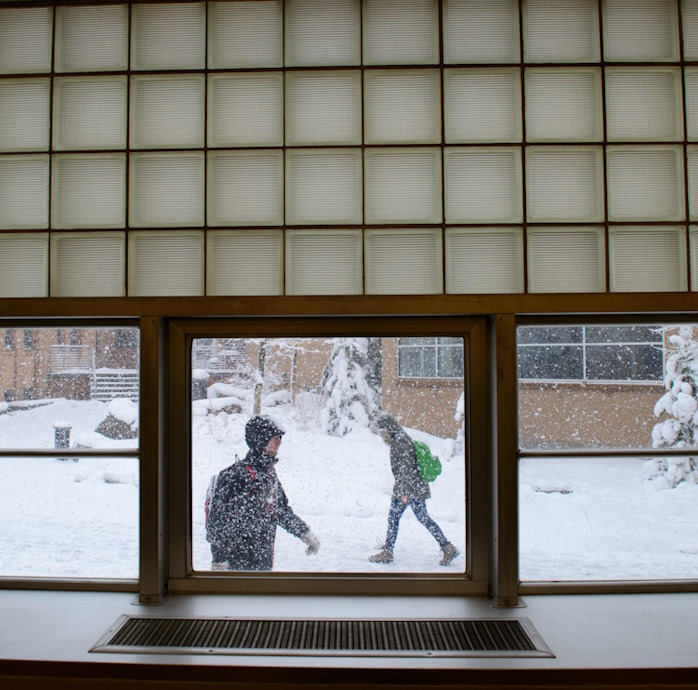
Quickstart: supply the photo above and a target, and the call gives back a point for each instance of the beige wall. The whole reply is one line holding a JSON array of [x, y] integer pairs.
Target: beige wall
[[587, 415]]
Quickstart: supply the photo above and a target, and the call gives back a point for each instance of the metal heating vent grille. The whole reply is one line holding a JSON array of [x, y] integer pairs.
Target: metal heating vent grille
[[447, 637]]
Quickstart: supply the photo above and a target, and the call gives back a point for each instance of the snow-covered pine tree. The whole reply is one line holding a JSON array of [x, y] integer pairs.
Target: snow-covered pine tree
[[680, 404], [351, 401]]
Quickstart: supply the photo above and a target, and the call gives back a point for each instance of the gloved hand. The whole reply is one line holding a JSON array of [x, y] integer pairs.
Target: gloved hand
[[311, 541]]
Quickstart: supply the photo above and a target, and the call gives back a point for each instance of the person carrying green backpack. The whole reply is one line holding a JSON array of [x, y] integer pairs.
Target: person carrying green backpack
[[411, 487]]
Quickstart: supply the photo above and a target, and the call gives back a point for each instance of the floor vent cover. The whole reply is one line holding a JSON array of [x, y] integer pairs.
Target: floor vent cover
[[446, 637]]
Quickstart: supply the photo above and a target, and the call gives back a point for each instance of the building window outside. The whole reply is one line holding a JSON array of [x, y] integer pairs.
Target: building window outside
[[438, 357], [9, 339], [28, 338], [590, 354], [125, 337]]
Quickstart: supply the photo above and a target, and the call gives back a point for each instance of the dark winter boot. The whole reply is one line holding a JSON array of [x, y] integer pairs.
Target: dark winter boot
[[448, 553], [383, 556]]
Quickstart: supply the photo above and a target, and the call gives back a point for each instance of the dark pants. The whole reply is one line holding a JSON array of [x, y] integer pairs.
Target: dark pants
[[419, 508]]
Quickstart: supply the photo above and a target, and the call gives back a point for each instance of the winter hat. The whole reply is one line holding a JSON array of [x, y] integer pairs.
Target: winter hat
[[260, 430]]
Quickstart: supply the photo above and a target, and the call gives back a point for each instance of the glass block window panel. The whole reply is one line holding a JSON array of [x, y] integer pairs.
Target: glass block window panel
[[563, 104], [24, 110], [689, 16], [647, 259], [402, 106], [693, 248], [245, 34], [166, 189], [91, 38], [168, 36], [88, 191], [245, 188], [691, 91], [23, 265], [564, 183], [23, 192], [167, 112], [645, 183], [643, 104], [398, 32], [25, 39], [403, 185], [483, 185], [484, 260], [165, 263], [692, 162], [323, 108], [87, 265], [246, 109], [561, 32], [89, 113], [323, 186], [477, 31], [640, 30], [482, 105], [322, 33], [568, 259], [403, 262], [244, 262], [324, 262]]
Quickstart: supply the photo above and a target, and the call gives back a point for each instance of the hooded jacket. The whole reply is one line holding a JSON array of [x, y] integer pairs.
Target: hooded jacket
[[403, 462], [248, 504]]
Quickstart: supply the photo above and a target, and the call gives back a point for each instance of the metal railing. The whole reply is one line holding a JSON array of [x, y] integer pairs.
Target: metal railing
[[70, 358]]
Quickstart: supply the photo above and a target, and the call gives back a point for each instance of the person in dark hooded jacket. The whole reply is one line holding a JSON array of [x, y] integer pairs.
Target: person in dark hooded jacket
[[249, 503], [409, 490]]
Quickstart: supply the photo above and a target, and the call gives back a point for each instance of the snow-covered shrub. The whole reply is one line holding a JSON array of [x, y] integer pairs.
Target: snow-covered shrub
[[680, 406], [122, 420], [308, 407], [351, 401]]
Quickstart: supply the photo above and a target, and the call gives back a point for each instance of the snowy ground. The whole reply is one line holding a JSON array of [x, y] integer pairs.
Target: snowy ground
[[580, 519]]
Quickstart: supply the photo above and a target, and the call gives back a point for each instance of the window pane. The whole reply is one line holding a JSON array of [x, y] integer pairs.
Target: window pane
[[403, 186], [324, 262], [484, 260], [25, 39], [483, 185], [323, 107], [23, 265], [23, 192], [400, 31], [240, 262], [481, 31], [403, 261], [24, 114], [402, 106], [167, 112], [245, 34], [585, 519], [450, 361], [91, 38], [482, 105], [85, 394], [245, 109], [561, 363], [89, 113], [321, 391], [636, 391], [168, 36], [555, 32], [325, 32], [323, 186], [534, 335], [68, 519]]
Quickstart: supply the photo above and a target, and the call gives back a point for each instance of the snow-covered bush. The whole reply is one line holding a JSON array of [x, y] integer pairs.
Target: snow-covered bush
[[680, 405], [351, 401]]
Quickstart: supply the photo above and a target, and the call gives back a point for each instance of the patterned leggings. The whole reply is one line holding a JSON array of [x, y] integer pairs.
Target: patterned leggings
[[419, 508]]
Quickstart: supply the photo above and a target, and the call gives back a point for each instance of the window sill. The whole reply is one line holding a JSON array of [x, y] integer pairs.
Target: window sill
[[639, 639]]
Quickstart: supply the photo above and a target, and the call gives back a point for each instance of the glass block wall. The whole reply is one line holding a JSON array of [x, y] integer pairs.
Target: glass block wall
[[348, 147]]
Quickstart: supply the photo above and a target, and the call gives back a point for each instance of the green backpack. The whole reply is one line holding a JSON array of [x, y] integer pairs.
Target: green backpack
[[429, 465]]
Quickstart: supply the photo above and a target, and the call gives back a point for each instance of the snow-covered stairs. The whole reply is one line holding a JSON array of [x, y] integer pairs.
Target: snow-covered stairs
[[109, 384]]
